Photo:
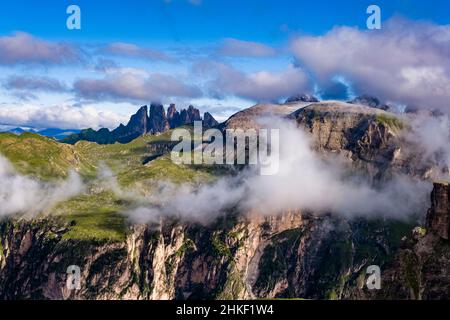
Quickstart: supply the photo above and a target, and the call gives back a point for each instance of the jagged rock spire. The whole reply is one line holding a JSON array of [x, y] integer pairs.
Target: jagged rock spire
[[157, 120], [438, 217]]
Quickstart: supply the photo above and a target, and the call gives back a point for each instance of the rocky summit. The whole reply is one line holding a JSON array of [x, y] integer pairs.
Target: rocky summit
[[369, 101], [302, 97]]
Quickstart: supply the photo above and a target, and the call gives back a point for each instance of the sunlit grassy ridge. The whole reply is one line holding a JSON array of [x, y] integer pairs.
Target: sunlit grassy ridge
[[97, 214], [40, 156]]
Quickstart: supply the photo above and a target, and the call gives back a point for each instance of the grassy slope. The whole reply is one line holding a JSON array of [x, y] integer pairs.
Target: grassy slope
[[40, 156], [96, 214]]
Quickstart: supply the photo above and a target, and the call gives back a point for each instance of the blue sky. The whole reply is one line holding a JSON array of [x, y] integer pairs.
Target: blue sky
[[180, 20], [219, 55]]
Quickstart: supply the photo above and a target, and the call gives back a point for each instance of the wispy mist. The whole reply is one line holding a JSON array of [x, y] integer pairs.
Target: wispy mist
[[24, 195], [431, 137]]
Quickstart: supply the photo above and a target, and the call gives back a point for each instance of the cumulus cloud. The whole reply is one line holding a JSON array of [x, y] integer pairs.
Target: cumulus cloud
[[406, 62], [239, 48], [25, 83], [27, 196], [305, 181], [131, 86], [23, 48], [134, 51], [259, 86], [64, 117]]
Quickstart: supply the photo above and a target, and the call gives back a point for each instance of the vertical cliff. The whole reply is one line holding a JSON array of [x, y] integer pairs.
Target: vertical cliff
[[293, 255], [421, 269], [438, 217]]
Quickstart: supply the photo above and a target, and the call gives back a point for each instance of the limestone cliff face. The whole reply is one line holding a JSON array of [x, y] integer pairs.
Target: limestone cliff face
[[367, 136], [236, 257], [420, 270]]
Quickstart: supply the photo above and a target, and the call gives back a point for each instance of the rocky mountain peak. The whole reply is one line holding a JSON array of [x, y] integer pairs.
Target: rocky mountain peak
[[139, 121], [438, 217], [189, 115], [173, 116], [209, 121], [171, 111], [137, 126], [369, 101], [301, 97], [157, 120]]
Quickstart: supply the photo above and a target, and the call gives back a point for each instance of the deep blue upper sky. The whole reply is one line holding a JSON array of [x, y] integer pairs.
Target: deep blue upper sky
[[180, 20]]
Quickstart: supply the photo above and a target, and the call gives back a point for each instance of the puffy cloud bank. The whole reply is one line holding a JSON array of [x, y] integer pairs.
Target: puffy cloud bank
[[64, 117], [259, 86], [406, 62], [24, 195]]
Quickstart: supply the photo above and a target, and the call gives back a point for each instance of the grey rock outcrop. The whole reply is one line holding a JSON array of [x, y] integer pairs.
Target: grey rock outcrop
[[438, 217], [157, 120], [369, 101], [209, 121], [302, 98]]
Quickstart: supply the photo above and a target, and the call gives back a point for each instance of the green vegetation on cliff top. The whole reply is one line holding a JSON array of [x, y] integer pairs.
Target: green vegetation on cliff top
[[97, 214]]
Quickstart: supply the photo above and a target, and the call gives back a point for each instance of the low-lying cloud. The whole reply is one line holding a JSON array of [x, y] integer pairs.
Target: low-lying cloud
[[63, 117], [27, 196], [431, 136]]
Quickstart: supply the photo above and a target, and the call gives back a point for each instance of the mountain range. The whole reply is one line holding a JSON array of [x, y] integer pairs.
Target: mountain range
[[55, 133], [144, 122]]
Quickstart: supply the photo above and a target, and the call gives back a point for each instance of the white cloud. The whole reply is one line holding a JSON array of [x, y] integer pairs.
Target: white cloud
[[64, 117], [128, 86], [24, 195], [406, 62], [259, 86], [23, 48], [29, 83]]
